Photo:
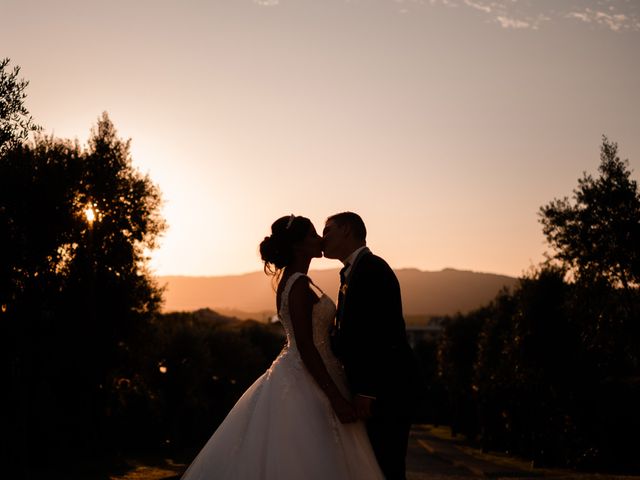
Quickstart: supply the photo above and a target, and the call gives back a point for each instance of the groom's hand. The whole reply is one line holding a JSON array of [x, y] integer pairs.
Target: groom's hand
[[363, 406]]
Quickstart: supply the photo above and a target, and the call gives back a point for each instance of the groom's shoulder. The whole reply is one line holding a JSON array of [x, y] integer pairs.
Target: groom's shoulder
[[373, 261]]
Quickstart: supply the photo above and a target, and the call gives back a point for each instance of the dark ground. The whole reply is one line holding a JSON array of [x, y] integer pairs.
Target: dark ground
[[433, 455]]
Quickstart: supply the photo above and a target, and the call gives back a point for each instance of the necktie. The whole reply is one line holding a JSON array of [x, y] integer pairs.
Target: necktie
[[342, 273], [335, 333]]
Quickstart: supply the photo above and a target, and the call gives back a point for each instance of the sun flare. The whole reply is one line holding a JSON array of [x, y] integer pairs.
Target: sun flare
[[90, 214]]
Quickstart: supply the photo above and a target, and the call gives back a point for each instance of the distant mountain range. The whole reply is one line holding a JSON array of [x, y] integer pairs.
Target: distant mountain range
[[251, 295]]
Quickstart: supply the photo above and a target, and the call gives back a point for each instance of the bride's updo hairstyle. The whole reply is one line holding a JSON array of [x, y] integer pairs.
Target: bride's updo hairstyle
[[276, 250]]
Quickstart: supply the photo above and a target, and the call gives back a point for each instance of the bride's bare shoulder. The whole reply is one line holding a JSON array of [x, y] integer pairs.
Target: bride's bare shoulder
[[301, 291]]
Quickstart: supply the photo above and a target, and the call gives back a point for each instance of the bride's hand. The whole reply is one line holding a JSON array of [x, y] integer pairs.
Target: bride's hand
[[344, 410]]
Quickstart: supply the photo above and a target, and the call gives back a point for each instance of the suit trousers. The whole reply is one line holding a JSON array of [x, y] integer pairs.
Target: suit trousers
[[389, 438]]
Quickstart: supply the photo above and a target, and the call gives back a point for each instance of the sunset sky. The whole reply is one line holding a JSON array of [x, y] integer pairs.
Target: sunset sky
[[446, 123]]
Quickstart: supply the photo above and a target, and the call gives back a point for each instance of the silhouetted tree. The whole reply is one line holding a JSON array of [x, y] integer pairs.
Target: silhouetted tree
[[457, 353], [188, 374], [541, 355], [598, 235], [492, 373], [598, 238], [76, 292], [556, 373], [15, 121], [432, 397]]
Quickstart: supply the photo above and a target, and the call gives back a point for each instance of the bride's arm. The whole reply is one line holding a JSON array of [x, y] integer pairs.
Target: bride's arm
[[301, 301]]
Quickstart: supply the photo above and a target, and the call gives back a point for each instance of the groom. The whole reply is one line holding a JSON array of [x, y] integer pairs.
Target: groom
[[369, 338]]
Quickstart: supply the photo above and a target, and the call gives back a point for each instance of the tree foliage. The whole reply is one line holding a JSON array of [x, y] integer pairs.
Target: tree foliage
[[186, 376], [598, 234], [46, 191], [550, 370], [15, 121], [456, 356], [75, 290], [88, 364]]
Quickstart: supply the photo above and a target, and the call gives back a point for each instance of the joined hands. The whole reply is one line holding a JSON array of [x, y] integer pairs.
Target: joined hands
[[348, 412]]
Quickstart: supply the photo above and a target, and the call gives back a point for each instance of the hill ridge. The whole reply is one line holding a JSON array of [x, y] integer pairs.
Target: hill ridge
[[443, 292]]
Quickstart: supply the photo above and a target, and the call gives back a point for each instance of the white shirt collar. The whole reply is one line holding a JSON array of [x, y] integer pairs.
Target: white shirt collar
[[351, 258]]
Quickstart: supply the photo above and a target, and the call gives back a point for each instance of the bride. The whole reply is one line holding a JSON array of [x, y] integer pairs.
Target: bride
[[296, 421]]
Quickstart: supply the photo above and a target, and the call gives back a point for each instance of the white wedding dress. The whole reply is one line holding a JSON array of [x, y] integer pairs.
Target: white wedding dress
[[283, 426]]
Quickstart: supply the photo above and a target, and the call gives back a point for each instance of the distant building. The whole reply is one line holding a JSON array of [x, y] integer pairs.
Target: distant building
[[430, 331]]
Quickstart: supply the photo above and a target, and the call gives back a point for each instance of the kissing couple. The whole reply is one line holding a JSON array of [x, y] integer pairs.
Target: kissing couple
[[336, 403]]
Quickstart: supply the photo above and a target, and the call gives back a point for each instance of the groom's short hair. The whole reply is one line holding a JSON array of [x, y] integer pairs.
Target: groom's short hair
[[353, 221]]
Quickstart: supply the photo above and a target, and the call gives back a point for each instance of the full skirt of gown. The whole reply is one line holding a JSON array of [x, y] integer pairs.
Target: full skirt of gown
[[284, 428]]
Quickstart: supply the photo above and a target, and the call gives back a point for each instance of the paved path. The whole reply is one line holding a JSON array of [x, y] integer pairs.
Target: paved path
[[433, 457], [422, 464]]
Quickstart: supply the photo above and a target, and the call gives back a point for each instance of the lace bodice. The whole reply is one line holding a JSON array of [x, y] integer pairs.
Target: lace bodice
[[322, 316]]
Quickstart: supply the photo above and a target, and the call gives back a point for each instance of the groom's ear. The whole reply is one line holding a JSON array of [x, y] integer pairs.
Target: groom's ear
[[347, 230]]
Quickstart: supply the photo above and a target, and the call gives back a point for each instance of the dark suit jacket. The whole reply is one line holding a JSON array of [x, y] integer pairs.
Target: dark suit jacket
[[370, 337]]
